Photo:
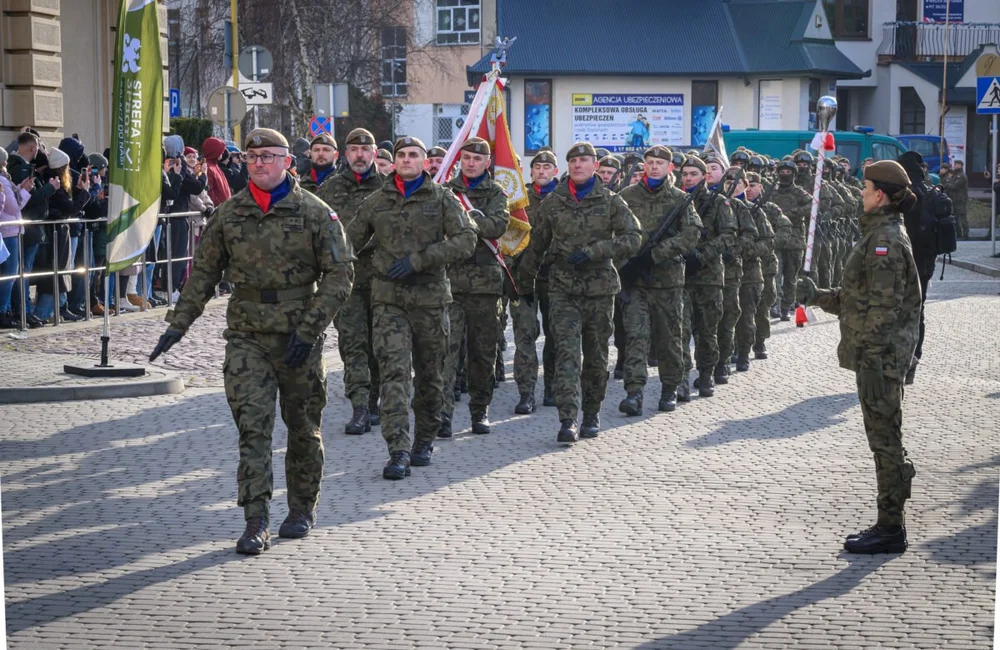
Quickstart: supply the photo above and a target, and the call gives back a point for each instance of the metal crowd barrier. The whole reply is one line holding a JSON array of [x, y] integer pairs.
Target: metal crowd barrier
[[86, 270]]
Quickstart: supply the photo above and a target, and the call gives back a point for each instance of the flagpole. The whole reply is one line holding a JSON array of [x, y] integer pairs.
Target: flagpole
[[944, 75]]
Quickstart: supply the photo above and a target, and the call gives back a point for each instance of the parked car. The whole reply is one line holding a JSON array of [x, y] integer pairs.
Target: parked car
[[855, 145], [933, 148]]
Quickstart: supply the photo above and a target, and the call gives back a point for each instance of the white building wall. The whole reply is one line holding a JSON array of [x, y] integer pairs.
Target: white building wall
[[416, 120], [864, 52]]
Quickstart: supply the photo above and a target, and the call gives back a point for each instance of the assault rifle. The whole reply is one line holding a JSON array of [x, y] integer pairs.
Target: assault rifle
[[640, 265]]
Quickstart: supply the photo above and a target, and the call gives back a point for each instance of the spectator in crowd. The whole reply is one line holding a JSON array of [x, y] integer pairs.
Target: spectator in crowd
[[233, 167], [12, 197], [79, 257], [97, 210], [184, 184], [219, 189], [29, 162]]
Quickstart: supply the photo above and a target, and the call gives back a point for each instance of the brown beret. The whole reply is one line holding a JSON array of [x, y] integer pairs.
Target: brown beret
[[696, 162], [659, 151], [712, 158], [887, 171], [436, 152], [544, 156], [639, 167], [408, 141], [736, 172], [477, 145], [753, 177], [610, 161], [384, 154], [265, 138], [323, 138], [581, 149], [360, 136]]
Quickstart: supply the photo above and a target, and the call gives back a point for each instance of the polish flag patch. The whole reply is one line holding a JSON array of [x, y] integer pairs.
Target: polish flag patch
[[333, 216], [881, 250]]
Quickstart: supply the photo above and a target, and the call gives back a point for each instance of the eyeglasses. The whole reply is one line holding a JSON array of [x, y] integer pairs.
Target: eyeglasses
[[266, 158]]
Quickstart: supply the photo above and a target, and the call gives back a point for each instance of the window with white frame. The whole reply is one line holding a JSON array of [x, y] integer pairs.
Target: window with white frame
[[394, 62], [458, 22]]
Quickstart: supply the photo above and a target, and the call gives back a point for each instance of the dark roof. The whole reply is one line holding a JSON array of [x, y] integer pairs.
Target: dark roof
[[934, 72], [715, 38]]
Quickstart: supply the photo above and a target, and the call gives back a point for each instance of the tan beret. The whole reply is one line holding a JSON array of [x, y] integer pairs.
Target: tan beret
[[408, 141], [544, 156], [265, 138], [610, 161], [384, 154], [360, 136], [436, 152], [659, 151], [696, 162], [887, 171], [581, 149], [323, 138], [477, 145]]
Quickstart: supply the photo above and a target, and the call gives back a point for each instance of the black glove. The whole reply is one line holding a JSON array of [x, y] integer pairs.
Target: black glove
[[805, 291], [579, 257], [297, 351], [871, 380], [728, 256], [528, 298], [167, 341], [509, 290], [692, 262], [401, 268], [543, 270], [644, 261]]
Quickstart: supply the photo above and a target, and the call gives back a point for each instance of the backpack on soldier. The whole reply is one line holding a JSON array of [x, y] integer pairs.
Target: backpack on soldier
[[938, 209]]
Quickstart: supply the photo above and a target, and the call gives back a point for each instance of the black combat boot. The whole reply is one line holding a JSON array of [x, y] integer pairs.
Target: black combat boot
[[527, 404], [445, 430], [256, 538], [620, 367], [668, 399], [398, 466], [651, 360], [297, 524], [743, 363], [785, 316], [632, 404], [705, 385], [360, 422], [684, 390], [499, 375], [421, 454], [568, 432], [760, 352], [722, 373], [458, 394], [733, 358], [877, 539], [775, 312], [547, 398], [590, 426], [481, 423], [373, 411], [911, 372]]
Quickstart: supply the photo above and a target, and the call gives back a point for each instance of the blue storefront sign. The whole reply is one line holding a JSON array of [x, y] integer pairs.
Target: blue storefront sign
[[937, 10]]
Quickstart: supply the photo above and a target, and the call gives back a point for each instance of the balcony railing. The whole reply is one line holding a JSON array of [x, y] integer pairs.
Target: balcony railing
[[905, 41]]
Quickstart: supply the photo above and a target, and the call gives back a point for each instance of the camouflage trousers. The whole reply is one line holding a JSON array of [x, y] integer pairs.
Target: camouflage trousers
[[702, 313], [410, 344], [961, 221], [730, 316], [822, 263], [746, 327], [789, 266], [654, 317], [478, 316], [580, 324], [255, 375], [893, 470], [354, 341], [840, 250], [526, 331], [763, 316]]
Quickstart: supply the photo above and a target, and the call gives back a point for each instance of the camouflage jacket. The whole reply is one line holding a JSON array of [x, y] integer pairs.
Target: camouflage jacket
[[298, 242], [430, 227], [796, 204], [481, 273], [718, 233], [344, 193], [600, 225], [783, 232], [307, 183], [650, 207], [762, 248], [956, 186], [534, 203], [879, 302], [743, 246]]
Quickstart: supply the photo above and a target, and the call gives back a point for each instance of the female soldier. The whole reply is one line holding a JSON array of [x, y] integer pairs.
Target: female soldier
[[879, 310]]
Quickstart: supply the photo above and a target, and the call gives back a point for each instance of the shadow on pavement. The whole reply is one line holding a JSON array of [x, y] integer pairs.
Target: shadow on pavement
[[732, 629], [812, 414]]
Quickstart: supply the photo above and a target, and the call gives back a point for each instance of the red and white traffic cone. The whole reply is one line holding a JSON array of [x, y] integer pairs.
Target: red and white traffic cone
[[800, 316]]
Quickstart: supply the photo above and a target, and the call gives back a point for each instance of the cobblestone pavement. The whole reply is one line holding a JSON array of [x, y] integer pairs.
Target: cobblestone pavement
[[717, 526]]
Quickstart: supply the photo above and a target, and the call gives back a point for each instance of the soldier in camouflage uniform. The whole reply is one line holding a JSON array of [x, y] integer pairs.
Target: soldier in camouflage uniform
[[544, 174], [384, 162], [323, 156], [610, 170], [704, 279], [291, 268], [656, 301], [581, 228], [879, 310], [783, 232], [419, 228], [344, 192], [752, 283], [843, 207], [476, 287], [732, 259], [795, 203], [956, 186]]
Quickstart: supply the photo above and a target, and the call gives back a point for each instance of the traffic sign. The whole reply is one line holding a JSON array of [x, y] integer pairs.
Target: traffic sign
[[988, 95], [217, 105], [255, 63], [175, 102], [320, 124], [258, 94]]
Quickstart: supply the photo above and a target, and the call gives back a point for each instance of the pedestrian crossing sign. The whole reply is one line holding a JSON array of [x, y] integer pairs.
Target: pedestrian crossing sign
[[988, 95]]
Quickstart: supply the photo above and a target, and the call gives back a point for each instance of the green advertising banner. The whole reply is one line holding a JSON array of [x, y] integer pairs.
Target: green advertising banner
[[136, 161]]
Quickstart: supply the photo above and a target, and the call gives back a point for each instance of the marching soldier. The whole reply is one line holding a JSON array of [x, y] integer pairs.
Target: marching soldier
[[291, 268], [656, 301], [476, 287], [323, 160], [344, 192], [384, 162], [783, 232], [704, 279], [752, 283], [435, 158], [609, 169], [544, 174], [419, 228], [795, 203], [581, 228]]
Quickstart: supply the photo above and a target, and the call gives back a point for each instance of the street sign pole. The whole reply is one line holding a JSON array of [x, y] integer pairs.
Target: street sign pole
[[254, 53], [993, 201]]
